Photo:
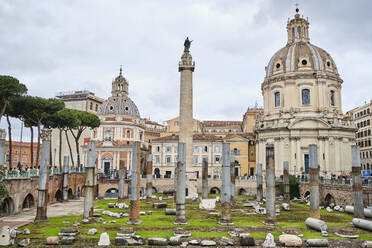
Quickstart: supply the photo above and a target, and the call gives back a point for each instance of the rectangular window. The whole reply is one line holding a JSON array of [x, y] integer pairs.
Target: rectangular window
[[7, 157], [24, 159], [217, 149], [217, 159], [158, 148], [169, 149], [157, 159], [205, 149], [195, 159], [168, 159], [196, 149], [15, 157]]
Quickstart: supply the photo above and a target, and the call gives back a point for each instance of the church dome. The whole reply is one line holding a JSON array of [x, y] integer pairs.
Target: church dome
[[119, 106], [119, 103], [299, 55]]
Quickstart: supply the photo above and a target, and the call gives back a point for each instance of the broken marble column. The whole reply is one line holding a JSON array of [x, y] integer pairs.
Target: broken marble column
[[316, 224], [357, 182], [135, 186], [149, 178], [270, 185], [363, 224], [232, 179], [89, 180], [314, 182], [121, 181], [181, 185], [42, 199], [65, 177], [286, 181], [259, 179], [2, 146], [226, 186], [205, 179]]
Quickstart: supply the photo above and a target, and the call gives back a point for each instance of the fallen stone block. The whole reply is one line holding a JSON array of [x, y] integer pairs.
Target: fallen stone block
[[111, 205], [170, 211], [126, 232], [53, 240], [26, 231], [181, 232], [194, 242], [246, 239], [207, 204], [290, 240], [24, 243], [317, 243], [160, 205], [67, 240], [224, 241], [175, 240], [269, 241], [126, 241], [92, 231], [104, 239], [286, 206], [157, 241], [208, 243]]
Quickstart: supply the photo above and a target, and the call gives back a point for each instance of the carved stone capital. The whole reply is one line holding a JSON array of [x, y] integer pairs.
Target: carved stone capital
[[46, 134]]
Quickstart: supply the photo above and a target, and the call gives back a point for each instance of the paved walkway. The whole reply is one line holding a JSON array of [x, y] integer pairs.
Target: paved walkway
[[72, 207]]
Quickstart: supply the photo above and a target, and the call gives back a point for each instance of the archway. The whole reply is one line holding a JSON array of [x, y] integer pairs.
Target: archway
[[329, 199], [215, 190], [242, 191], [157, 173], [69, 194], [111, 193], [58, 196], [7, 206], [28, 202]]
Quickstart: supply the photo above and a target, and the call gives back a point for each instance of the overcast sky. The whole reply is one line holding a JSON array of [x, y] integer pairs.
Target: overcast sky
[[54, 46]]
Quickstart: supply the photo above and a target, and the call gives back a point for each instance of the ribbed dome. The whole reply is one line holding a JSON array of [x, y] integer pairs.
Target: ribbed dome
[[300, 56], [122, 105]]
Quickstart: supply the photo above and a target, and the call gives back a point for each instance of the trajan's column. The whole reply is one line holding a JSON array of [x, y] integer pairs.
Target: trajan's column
[[186, 68]]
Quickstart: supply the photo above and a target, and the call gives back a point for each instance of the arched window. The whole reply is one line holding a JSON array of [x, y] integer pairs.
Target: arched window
[[293, 34], [277, 99], [299, 32], [332, 97], [304, 32], [305, 97]]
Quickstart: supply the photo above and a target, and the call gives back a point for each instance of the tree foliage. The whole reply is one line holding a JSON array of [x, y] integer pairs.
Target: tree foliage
[[9, 87], [37, 111], [84, 120]]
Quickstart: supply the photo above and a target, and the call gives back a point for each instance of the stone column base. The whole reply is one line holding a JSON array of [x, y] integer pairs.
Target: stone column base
[[180, 221], [134, 222], [270, 221], [41, 215]]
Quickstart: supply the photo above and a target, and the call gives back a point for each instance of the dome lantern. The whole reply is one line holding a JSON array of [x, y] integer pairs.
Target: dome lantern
[[119, 85], [298, 29]]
